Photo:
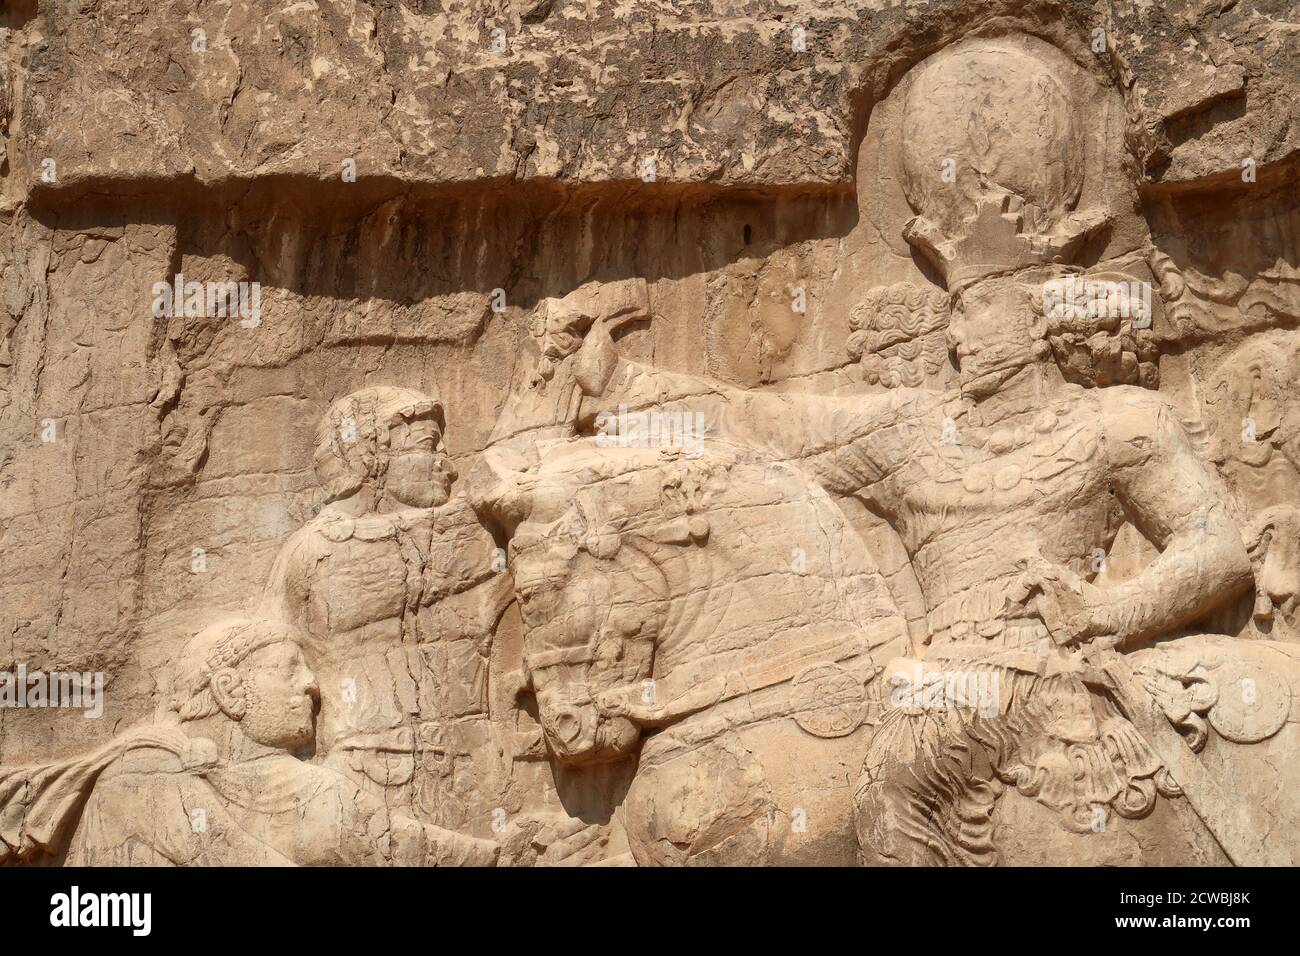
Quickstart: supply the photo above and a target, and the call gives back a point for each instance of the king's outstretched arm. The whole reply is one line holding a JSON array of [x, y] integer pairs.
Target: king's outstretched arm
[[830, 436]]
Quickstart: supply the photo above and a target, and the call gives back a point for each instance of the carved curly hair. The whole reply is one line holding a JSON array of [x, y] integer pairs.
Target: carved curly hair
[[897, 334]]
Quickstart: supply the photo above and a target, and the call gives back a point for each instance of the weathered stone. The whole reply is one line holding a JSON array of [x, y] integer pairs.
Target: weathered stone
[[554, 433]]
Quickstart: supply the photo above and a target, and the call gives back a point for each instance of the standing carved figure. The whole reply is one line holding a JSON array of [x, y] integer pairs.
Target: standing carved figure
[[373, 582]]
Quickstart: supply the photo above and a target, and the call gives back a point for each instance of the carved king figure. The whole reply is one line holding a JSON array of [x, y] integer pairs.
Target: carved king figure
[[999, 493]]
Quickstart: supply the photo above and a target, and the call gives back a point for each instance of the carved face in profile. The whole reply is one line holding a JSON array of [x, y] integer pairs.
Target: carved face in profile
[[419, 472], [389, 439], [994, 331], [273, 695], [1252, 426]]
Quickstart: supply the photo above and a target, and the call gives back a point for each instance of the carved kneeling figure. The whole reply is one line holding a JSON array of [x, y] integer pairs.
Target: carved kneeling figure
[[224, 784]]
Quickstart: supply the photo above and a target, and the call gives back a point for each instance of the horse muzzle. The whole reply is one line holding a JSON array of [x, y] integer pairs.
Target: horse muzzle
[[579, 734]]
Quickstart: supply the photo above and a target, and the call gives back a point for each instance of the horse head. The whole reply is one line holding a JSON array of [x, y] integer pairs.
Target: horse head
[[646, 577]]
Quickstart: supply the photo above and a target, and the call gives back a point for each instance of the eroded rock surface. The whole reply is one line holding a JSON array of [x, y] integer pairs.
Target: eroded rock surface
[[659, 434]]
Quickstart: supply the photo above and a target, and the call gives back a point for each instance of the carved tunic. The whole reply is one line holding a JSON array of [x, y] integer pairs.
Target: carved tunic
[[393, 664]]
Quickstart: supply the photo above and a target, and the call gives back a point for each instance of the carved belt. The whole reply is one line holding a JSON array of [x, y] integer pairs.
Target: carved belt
[[1040, 661], [981, 614]]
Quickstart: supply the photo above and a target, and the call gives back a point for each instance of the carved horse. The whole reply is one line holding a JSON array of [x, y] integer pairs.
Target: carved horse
[[715, 619]]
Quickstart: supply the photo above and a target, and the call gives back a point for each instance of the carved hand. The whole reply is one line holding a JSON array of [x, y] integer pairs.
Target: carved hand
[[1067, 604], [550, 839]]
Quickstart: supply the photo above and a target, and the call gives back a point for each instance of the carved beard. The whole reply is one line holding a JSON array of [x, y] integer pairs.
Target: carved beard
[[275, 725], [411, 482], [997, 363], [983, 383]]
